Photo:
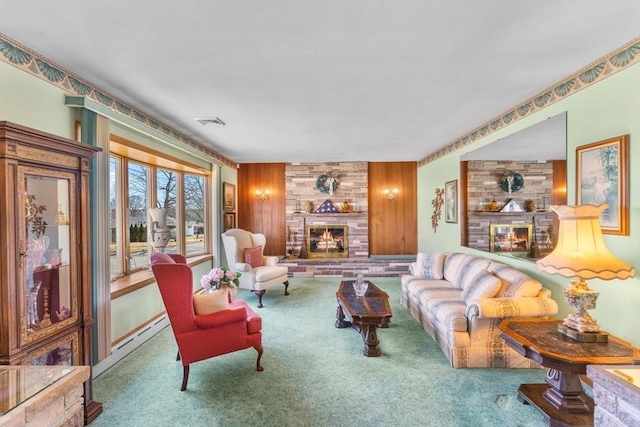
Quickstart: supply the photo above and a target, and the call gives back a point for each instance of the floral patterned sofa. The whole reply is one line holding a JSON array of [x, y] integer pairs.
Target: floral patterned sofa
[[461, 299]]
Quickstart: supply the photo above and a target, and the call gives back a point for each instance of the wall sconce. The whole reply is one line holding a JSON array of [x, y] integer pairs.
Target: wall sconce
[[262, 195], [391, 194]]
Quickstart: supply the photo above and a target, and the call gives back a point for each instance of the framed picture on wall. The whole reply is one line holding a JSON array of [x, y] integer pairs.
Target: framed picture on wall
[[229, 221], [451, 201], [601, 177], [229, 196]]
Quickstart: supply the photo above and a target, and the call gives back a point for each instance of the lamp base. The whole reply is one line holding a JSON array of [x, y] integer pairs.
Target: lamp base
[[583, 336]]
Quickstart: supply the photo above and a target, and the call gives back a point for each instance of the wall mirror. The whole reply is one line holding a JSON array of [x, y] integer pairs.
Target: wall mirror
[[514, 181]]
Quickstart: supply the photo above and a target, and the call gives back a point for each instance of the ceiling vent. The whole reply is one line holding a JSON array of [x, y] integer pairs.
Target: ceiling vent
[[214, 120]]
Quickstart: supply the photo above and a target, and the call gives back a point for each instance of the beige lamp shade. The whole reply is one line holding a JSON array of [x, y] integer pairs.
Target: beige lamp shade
[[581, 251]]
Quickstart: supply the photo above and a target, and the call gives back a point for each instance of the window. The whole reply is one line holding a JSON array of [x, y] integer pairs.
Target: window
[[134, 186], [194, 213], [137, 195], [115, 218], [166, 191]]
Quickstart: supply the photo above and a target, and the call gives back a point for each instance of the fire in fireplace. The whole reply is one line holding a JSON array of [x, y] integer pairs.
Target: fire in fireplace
[[327, 241]]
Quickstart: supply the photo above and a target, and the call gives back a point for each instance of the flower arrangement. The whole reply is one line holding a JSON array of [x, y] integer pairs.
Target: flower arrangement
[[219, 276]]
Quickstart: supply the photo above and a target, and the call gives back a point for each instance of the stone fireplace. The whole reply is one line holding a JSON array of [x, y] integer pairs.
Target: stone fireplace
[[302, 192]]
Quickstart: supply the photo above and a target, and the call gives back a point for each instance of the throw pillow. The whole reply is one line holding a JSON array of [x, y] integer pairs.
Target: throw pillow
[[514, 283], [253, 256], [210, 302], [483, 285], [430, 266]]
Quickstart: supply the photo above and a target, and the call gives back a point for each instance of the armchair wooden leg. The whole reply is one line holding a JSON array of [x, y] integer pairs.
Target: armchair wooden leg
[[286, 287], [185, 377], [260, 293], [259, 367]]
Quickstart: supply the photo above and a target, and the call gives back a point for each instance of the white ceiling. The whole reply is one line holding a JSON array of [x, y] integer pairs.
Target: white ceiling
[[322, 81]]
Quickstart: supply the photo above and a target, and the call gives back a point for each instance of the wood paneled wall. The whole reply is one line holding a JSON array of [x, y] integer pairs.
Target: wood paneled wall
[[393, 224], [263, 216]]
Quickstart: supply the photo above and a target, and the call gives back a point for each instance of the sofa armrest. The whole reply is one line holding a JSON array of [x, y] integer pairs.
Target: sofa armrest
[[221, 318], [504, 308], [270, 260], [412, 268]]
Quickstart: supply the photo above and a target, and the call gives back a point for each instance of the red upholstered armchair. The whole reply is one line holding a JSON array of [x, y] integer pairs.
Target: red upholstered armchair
[[201, 337]]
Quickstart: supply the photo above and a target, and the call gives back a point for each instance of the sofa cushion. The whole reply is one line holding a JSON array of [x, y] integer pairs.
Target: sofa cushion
[[514, 283], [452, 265], [483, 285], [450, 312], [210, 302], [437, 292], [471, 267], [429, 266], [414, 285]]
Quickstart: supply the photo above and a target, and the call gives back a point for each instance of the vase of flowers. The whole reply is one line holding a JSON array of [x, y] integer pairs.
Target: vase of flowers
[[221, 278]]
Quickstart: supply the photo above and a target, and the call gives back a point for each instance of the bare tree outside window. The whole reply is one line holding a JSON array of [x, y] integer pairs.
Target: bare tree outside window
[[194, 213], [166, 194], [138, 178], [115, 265]]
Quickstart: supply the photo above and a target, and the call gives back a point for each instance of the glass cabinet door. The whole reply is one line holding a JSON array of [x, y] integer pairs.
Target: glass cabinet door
[[47, 254]]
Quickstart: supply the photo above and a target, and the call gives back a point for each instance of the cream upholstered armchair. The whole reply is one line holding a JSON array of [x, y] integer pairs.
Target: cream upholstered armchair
[[244, 254]]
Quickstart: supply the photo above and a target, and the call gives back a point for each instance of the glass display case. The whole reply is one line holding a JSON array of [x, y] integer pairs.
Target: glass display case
[[46, 262], [46, 280]]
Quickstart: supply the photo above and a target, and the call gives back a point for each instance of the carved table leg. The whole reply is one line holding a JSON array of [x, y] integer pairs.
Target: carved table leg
[[340, 322], [371, 341], [566, 392], [561, 400]]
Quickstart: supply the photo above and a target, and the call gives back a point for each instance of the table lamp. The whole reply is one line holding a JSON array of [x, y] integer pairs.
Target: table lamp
[[581, 252]]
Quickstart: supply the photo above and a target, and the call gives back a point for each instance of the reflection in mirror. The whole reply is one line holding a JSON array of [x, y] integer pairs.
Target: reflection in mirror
[[513, 182]]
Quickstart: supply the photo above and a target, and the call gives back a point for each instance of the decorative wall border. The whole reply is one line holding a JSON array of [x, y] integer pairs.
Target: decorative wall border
[[37, 65], [604, 67], [33, 63]]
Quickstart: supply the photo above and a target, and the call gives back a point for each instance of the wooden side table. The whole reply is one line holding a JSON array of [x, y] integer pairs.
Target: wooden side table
[[562, 400]]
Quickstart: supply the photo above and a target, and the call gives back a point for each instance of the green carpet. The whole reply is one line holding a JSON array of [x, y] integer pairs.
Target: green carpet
[[315, 375]]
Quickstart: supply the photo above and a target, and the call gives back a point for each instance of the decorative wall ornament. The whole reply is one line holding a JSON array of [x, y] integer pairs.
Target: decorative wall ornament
[[327, 183], [437, 208], [512, 182]]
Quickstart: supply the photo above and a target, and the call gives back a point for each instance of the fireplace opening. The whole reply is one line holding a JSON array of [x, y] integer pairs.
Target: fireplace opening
[[327, 241]]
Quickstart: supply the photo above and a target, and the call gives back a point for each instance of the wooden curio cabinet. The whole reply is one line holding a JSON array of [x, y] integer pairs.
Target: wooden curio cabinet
[[45, 267]]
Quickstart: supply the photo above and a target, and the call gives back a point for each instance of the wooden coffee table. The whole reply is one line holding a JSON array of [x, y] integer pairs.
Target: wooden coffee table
[[365, 314], [562, 400]]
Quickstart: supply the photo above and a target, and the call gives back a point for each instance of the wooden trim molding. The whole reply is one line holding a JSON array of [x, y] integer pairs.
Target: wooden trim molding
[[138, 280]]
